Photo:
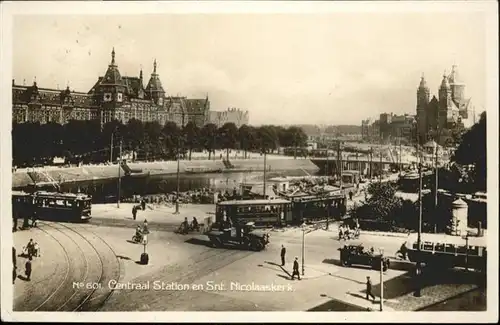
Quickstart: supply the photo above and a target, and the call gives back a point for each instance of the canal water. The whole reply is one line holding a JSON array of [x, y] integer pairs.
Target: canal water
[[107, 190]]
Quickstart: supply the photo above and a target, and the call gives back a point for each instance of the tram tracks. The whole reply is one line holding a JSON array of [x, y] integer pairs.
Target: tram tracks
[[200, 265], [83, 286]]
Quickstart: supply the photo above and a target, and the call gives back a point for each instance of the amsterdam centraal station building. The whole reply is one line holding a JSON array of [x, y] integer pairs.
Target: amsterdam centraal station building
[[112, 97]]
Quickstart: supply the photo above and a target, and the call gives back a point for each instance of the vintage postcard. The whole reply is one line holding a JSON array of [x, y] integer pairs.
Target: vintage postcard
[[249, 161]]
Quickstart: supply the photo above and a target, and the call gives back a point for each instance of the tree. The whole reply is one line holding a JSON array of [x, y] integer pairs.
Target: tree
[[228, 134], [153, 137], [111, 130], [208, 135], [296, 137], [191, 135], [246, 137], [472, 151], [171, 137], [267, 139], [382, 203], [135, 135]]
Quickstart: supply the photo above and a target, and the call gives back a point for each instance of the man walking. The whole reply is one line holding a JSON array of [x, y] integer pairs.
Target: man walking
[[27, 271], [283, 253], [296, 269], [134, 212], [369, 289]]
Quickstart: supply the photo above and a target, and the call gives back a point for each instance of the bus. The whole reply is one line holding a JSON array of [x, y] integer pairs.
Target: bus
[[52, 206], [276, 212], [448, 251]]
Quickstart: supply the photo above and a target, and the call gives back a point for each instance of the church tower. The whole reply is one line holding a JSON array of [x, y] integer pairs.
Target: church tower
[[423, 95], [456, 85], [154, 89], [445, 104]]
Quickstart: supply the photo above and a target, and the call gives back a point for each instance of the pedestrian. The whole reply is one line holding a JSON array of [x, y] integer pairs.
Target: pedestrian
[[369, 288], [350, 195], [296, 269], [27, 271], [14, 265], [134, 212], [283, 253], [143, 204]]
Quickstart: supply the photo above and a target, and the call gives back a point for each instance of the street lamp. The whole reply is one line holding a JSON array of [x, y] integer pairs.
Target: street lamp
[[466, 237], [178, 176], [381, 279], [303, 246], [418, 270]]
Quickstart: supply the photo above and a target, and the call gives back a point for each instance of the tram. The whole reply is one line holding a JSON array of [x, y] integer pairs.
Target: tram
[[276, 212], [306, 208], [446, 251], [281, 212], [52, 206]]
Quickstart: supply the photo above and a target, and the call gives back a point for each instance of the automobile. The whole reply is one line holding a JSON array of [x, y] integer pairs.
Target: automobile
[[245, 237], [358, 255]]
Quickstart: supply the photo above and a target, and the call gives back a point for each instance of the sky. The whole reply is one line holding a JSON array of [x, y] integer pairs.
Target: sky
[[331, 68]]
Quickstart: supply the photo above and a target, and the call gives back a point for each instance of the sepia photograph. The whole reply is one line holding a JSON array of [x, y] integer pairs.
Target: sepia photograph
[[221, 157]]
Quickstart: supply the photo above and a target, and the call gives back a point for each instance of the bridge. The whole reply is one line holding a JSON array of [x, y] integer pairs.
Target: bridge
[[362, 164]]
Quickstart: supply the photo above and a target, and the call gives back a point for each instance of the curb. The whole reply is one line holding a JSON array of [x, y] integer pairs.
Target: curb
[[382, 234]]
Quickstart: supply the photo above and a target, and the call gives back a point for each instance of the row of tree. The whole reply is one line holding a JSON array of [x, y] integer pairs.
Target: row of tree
[[87, 141]]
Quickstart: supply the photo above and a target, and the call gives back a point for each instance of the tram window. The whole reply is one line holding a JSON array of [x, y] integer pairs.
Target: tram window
[[439, 247], [461, 250], [427, 246], [473, 250], [449, 248]]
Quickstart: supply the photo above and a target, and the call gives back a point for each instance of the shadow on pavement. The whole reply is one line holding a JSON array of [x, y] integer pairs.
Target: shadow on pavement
[[289, 276], [345, 278], [337, 305], [407, 283], [22, 277], [123, 257], [197, 241], [394, 264], [132, 242], [208, 243], [357, 295]]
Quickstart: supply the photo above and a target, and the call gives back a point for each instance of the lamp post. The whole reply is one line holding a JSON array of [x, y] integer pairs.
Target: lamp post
[[119, 176], [381, 279], [178, 176], [466, 237], [265, 169], [418, 270], [436, 148], [303, 246]]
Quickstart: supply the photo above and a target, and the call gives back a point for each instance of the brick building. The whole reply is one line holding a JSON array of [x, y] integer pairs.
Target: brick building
[[112, 97]]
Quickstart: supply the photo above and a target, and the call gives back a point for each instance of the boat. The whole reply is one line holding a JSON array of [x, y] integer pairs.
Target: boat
[[202, 170]]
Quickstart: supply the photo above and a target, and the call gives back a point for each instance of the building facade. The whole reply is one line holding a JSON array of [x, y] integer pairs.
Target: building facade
[[231, 115], [113, 97], [370, 130], [438, 117]]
